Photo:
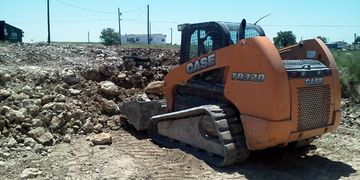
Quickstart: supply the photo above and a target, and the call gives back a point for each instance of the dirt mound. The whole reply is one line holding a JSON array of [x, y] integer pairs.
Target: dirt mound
[[47, 92]]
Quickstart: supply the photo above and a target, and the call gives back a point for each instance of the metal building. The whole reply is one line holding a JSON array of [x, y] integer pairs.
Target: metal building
[[155, 39], [10, 33]]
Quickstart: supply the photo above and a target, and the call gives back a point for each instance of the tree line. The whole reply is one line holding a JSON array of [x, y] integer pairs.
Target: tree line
[[283, 39]]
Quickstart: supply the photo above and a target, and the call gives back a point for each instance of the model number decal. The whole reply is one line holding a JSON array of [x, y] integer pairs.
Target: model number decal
[[201, 64], [253, 77]]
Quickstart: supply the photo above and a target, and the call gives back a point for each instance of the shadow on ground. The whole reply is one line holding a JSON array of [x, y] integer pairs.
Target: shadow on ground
[[137, 134], [289, 163], [280, 163]]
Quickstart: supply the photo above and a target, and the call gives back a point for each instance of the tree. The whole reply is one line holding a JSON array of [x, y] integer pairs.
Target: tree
[[324, 39], [109, 36], [284, 38]]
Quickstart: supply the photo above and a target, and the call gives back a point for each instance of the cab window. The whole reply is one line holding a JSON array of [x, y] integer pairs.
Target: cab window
[[203, 42]]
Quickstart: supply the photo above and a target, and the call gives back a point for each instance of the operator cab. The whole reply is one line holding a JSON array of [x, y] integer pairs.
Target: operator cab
[[200, 39], [203, 38]]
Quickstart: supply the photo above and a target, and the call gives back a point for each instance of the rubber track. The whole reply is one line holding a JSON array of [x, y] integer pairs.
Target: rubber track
[[226, 123]]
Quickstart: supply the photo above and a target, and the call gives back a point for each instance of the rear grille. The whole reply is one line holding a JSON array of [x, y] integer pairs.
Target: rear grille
[[314, 107]]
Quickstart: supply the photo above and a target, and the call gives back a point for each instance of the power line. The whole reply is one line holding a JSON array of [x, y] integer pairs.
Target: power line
[[134, 10], [176, 22], [85, 20], [168, 22], [67, 21], [141, 13], [85, 9], [99, 12]]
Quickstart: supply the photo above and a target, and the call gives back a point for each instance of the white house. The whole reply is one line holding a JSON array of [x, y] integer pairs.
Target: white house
[[156, 39]]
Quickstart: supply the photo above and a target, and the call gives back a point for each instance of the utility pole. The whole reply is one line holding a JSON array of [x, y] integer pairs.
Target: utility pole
[[171, 35], [354, 41], [88, 36], [148, 25], [119, 14], [48, 21]]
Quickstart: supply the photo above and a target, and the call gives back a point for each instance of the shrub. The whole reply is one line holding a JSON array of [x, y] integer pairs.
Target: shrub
[[109, 36], [348, 63]]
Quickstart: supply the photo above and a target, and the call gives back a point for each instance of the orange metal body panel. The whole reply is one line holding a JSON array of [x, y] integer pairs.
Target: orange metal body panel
[[268, 109], [324, 55]]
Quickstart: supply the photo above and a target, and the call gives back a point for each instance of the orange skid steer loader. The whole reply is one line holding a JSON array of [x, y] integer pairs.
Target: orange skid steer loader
[[234, 92]]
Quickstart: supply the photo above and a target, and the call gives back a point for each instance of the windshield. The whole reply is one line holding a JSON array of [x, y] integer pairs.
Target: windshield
[[250, 31]]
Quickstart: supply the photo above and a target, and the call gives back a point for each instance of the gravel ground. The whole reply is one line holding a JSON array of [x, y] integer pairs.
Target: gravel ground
[[133, 156]]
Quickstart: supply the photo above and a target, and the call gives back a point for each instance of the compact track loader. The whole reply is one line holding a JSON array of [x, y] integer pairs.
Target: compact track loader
[[234, 92]]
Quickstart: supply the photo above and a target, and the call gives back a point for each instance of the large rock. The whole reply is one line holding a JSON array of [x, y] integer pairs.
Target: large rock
[[88, 126], [109, 88], [29, 173], [32, 106], [54, 106], [109, 107], [57, 122], [11, 142], [112, 124], [29, 142], [19, 97], [60, 98], [107, 70], [136, 79], [60, 89], [4, 94], [355, 114], [4, 110], [121, 76], [155, 87], [101, 139], [67, 138], [5, 77], [41, 135], [29, 102], [45, 116], [92, 74], [27, 90], [46, 99], [74, 92], [4, 155], [2, 124], [98, 127], [70, 77], [16, 116], [36, 122]]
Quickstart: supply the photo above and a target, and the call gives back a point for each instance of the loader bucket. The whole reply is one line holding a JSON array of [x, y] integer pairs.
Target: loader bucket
[[140, 112]]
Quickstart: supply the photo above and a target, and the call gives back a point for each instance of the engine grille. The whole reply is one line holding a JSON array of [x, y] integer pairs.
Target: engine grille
[[314, 107]]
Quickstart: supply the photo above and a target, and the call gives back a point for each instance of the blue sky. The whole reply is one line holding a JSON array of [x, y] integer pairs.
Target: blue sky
[[72, 19]]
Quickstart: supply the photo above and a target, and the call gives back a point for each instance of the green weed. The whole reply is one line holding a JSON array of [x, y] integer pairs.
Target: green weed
[[348, 63]]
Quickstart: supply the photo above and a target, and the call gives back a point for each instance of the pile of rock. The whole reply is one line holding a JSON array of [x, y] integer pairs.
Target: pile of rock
[[350, 113], [74, 90]]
